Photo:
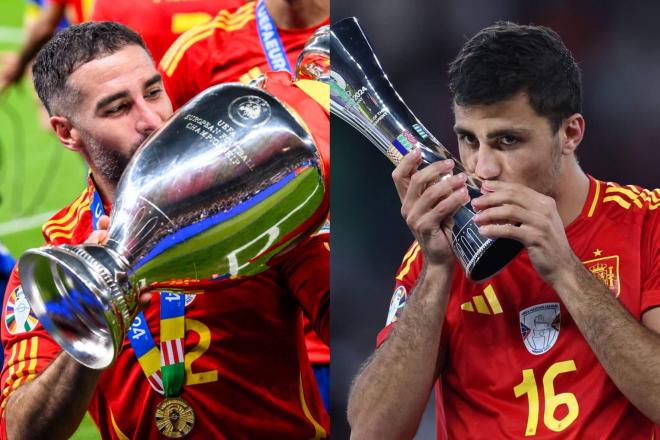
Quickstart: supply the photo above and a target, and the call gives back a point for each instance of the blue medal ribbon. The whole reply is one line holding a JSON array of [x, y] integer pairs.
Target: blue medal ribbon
[[271, 43], [139, 335]]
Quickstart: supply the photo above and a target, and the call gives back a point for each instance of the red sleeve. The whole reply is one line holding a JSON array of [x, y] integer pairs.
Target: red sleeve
[[27, 346], [184, 67], [405, 281], [650, 255], [306, 270]]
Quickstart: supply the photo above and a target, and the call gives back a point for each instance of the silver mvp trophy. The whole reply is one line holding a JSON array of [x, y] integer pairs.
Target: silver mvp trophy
[[229, 182], [361, 95]]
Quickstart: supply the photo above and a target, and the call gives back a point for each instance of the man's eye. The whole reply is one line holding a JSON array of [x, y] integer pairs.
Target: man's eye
[[508, 140], [468, 139], [115, 109], [153, 93]]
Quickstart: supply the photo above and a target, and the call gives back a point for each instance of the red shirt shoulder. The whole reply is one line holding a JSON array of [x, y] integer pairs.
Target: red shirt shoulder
[[188, 65], [72, 224], [160, 23], [226, 50], [631, 215]]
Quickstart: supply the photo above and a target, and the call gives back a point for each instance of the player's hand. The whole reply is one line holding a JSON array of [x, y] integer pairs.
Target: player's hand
[[540, 229], [100, 236], [428, 202]]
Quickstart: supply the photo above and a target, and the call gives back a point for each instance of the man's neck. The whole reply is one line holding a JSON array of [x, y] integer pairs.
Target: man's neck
[[298, 14], [571, 193], [105, 188]]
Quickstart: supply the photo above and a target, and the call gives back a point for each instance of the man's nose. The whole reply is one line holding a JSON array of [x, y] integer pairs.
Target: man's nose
[[148, 119], [488, 165]]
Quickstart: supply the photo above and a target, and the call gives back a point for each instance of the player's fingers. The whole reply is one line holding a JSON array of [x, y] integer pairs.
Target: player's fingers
[[520, 233], [96, 237], [403, 171], [441, 213], [436, 192], [499, 193], [421, 179], [103, 223], [503, 214]]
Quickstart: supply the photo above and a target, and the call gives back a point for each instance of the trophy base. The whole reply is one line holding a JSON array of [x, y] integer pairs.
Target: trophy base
[[77, 299], [498, 254]]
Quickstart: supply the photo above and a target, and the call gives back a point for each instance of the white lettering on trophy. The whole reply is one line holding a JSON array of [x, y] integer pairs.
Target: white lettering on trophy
[[219, 135], [355, 98], [380, 115]]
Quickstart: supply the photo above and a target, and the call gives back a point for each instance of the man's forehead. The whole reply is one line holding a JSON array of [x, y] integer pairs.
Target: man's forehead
[[513, 110], [126, 68]]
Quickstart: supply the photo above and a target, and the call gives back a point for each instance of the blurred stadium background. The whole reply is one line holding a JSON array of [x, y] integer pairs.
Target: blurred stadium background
[[616, 45], [37, 175]]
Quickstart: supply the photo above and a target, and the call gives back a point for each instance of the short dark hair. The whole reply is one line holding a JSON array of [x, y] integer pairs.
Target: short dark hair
[[71, 48], [506, 58]]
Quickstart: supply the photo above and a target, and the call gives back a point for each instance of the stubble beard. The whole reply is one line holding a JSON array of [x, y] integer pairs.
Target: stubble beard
[[108, 162], [550, 180]]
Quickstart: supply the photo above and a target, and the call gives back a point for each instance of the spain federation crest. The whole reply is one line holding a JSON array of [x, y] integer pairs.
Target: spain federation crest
[[397, 304], [19, 317], [606, 270], [539, 327]]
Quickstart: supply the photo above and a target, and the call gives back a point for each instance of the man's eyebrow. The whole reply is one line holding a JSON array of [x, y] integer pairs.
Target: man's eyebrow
[[462, 131], [508, 132], [153, 80], [494, 134]]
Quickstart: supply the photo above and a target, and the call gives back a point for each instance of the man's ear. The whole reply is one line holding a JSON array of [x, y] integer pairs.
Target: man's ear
[[66, 133], [572, 132]]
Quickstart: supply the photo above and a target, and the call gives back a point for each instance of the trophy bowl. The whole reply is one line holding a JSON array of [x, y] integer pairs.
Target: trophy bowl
[[362, 95], [226, 184]]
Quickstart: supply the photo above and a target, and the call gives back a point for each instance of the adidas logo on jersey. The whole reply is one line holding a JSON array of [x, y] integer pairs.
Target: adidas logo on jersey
[[481, 303]]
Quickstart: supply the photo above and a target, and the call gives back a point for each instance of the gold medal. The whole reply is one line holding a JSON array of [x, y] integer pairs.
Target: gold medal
[[174, 417]]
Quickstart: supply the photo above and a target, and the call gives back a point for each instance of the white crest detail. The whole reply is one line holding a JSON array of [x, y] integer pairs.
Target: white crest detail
[[539, 327]]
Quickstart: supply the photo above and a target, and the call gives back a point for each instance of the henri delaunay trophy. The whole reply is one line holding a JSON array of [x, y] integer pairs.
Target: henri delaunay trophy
[[362, 95], [229, 182]]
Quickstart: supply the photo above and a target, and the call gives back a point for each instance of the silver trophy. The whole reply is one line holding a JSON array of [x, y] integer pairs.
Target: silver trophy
[[229, 182], [362, 95], [314, 60]]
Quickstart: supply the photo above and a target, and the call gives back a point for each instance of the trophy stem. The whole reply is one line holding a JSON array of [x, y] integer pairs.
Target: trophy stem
[[75, 293]]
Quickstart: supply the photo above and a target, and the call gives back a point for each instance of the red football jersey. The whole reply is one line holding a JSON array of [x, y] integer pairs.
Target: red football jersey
[[226, 50], [517, 365], [247, 370], [160, 22]]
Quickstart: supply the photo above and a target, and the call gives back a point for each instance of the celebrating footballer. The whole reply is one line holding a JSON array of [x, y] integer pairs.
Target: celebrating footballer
[[563, 342]]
